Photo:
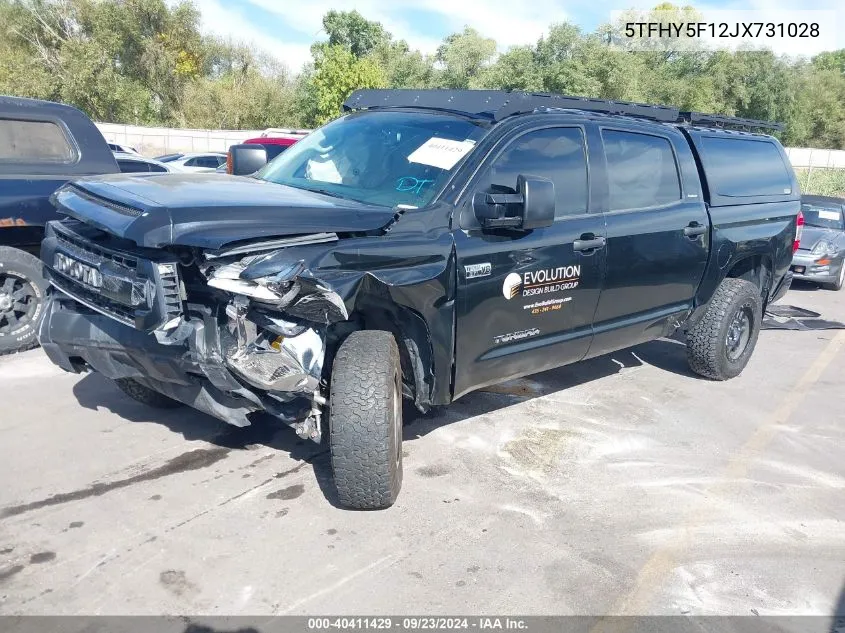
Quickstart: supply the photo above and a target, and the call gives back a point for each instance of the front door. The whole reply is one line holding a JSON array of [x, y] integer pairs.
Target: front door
[[526, 299]]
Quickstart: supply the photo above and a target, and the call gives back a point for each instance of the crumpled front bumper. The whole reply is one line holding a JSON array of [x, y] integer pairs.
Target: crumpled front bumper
[[806, 268], [193, 372]]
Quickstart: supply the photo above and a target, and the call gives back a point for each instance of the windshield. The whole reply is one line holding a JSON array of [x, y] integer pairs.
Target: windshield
[[383, 158], [828, 217]]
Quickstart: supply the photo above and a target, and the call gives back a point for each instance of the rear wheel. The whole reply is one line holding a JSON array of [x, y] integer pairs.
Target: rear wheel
[[721, 343], [22, 292], [365, 416], [145, 395]]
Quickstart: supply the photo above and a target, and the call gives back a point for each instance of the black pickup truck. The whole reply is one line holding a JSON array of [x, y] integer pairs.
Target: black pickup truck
[[421, 246], [42, 146]]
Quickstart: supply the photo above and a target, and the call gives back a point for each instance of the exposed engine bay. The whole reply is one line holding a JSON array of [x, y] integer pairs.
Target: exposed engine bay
[[261, 343]]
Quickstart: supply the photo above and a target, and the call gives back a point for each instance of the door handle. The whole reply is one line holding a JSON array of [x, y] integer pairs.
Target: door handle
[[588, 244], [694, 229]]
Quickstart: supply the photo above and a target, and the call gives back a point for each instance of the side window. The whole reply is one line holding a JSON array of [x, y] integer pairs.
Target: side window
[[738, 167], [132, 166], [156, 169], [641, 170], [192, 162], [35, 142], [554, 153]]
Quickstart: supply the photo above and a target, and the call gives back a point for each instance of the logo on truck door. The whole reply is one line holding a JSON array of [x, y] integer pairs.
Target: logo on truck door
[[541, 282]]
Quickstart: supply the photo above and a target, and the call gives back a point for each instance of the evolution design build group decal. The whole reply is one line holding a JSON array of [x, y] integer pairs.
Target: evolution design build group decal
[[541, 282]]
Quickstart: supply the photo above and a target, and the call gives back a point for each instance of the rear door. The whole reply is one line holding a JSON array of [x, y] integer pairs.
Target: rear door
[[658, 235], [526, 298]]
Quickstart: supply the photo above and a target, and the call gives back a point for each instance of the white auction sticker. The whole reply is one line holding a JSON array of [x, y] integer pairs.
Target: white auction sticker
[[829, 215], [441, 152]]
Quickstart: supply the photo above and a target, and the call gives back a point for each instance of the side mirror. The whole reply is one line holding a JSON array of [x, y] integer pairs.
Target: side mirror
[[246, 159], [531, 207]]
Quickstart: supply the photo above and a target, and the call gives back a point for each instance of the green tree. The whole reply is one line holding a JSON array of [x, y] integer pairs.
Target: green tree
[[337, 73], [517, 69], [352, 30], [464, 56]]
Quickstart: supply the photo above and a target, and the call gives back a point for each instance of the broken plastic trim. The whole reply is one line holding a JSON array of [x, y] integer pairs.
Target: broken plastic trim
[[255, 247], [285, 360], [289, 289]]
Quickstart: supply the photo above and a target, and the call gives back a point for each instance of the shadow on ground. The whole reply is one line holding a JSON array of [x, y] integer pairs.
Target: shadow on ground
[[94, 392]]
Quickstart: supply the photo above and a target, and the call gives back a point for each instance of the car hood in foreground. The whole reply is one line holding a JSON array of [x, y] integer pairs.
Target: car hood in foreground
[[210, 210]]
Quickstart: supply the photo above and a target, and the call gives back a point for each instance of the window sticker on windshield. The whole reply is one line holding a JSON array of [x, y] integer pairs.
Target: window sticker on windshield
[[441, 152], [828, 215]]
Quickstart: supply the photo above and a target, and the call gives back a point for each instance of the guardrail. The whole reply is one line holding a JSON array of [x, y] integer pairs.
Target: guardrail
[[156, 141]]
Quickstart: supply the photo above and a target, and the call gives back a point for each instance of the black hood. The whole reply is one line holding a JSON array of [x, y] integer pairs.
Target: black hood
[[210, 210]]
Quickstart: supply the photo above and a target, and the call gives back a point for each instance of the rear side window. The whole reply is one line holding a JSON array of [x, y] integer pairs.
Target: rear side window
[[132, 166], [742, 167], [34, 142], [641, 170]]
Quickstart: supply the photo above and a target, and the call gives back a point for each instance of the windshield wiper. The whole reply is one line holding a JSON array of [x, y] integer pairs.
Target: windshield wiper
[[326, 192]]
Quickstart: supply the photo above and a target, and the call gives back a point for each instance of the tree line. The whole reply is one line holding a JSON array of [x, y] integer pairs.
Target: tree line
[[146, 62]]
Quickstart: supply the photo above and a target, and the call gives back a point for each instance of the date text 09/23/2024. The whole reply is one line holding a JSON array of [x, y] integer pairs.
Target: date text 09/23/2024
[[422, 623]]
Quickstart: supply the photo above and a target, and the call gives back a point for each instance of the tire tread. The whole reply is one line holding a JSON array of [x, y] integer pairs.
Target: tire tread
[[705, 344], [365, 470]]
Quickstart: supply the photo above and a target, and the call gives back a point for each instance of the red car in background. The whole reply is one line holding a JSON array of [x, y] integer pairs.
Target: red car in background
[[276, 141]]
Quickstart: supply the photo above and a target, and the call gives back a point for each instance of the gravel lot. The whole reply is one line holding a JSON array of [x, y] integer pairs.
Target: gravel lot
[[621, 485]]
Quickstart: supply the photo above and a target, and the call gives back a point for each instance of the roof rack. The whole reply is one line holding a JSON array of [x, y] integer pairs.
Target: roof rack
[[719, 120], [495, 105]]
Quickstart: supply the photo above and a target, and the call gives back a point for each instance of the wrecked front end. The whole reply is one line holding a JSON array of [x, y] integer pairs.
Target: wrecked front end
[[231, 333]]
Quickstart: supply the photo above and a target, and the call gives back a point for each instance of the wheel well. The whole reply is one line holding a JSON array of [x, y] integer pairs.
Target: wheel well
[[412, 338], [755, 269]]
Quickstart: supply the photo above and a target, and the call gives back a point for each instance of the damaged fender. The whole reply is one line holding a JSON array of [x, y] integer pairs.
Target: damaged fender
[[288, 304]]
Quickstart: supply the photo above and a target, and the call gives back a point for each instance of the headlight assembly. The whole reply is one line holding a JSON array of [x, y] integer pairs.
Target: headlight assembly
[[823, 247], [276, 289]]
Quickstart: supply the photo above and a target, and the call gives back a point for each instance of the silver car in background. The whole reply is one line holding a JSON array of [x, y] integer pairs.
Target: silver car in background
[[820, 256]]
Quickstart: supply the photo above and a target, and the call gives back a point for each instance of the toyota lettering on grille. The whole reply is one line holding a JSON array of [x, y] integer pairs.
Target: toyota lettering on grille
[[75, 269]]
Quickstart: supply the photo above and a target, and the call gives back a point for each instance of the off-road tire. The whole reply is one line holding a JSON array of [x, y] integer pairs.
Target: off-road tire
[[707, 348], [22, 272], [145, 395], [366, 421]]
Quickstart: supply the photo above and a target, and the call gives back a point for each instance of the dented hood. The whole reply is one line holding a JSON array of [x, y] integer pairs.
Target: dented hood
[[209, 210]]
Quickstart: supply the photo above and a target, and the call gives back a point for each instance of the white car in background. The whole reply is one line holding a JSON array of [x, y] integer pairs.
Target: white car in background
[[205, 161], [136, 164], [125, 149]]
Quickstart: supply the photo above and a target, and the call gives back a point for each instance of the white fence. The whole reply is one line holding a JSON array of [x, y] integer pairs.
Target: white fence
[[816, 158], [155, 141]]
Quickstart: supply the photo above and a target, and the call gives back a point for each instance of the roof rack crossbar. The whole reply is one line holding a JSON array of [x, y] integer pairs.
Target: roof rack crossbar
[[496, 105]]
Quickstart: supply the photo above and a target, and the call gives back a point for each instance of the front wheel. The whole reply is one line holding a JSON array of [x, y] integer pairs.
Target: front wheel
[[22, 291], [365, 417], [145, 395], [721, 343]]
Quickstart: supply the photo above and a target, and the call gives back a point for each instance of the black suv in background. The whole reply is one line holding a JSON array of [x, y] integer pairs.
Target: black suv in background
[[423, 245], [42, 146]]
